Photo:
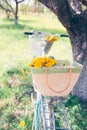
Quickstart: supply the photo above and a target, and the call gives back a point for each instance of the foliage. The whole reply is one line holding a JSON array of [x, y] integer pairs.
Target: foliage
[[15, 104], [77, 112], [24, 8]]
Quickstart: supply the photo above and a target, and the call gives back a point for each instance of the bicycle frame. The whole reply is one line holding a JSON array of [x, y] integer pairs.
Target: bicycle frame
[[48, 114], [48, 110]]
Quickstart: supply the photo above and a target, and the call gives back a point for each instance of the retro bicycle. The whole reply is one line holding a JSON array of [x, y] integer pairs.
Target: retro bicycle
[[51, 85]]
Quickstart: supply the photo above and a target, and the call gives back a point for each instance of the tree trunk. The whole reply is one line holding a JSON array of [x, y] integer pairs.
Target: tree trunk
[[79, 48], [16, 20], [80, 89], [16, 13], [8, 14], [78, 37]]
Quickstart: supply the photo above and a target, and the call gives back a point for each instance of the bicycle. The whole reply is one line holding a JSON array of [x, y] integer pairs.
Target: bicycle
[[50, 112]]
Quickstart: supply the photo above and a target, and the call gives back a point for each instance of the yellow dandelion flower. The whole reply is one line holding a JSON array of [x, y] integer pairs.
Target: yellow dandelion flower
[[51, 38], [48, 64], [22, 123], [63, 63], [22, 77], [22, 71], [27, 72], [47, 37], [38, 65]]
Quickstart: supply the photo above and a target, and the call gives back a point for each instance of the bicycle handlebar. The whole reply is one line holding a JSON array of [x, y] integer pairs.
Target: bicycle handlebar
[[28, 33], [59, 35], [63, 35]]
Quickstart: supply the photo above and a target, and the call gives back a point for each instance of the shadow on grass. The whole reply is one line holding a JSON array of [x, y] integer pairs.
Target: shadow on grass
[[11, 20], [9, 24], [13, 26], [27, 24], [12, 71], [21, 27]]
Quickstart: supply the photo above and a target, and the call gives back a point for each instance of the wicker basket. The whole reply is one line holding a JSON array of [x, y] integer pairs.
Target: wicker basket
[[56, 81]]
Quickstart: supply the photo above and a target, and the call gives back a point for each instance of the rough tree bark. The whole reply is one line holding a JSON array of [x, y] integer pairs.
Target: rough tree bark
[[74, 19]]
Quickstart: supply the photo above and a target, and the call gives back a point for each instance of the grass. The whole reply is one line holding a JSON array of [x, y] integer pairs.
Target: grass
[[15, 77]]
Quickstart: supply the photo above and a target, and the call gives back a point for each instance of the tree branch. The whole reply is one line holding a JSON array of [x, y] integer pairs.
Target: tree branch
[[75, 6], [20, 1], [12, 10], [61, 9], [5, 8], [84, 2], [49, 4]]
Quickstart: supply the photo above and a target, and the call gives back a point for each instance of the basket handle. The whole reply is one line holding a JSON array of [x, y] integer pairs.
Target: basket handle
[[65, 88]]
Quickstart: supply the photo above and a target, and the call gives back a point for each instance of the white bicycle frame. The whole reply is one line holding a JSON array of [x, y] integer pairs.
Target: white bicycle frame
[[43, 104]]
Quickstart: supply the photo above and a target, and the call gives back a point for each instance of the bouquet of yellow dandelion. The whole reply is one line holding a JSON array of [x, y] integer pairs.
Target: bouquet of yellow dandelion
[[43, 62]]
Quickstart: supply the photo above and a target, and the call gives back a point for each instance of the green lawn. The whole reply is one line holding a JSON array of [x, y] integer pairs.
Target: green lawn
[[15, 77]]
